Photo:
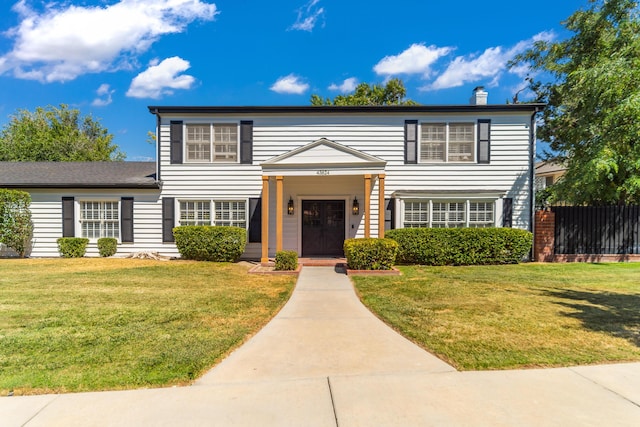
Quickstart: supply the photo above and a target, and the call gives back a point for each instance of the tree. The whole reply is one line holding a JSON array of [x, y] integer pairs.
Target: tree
[[591, 83], [393, 93], [16, 228], [56, 134]]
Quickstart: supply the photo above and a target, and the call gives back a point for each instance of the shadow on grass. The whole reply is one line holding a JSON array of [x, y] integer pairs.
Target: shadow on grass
[[611, 313]]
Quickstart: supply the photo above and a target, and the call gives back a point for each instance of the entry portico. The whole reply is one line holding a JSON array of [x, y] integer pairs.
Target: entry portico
[[322, 180]]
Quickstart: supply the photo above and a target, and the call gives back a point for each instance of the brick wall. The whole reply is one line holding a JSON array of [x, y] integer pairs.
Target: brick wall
[[543, 240]]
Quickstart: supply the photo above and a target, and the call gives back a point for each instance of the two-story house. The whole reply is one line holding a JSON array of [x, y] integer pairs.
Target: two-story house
[[301, 178]]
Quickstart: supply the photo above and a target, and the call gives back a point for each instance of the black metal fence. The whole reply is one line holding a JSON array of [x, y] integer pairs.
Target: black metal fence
[[597, 229]]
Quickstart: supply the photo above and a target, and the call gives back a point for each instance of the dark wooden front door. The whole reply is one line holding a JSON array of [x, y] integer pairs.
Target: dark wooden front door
[[322, 227]]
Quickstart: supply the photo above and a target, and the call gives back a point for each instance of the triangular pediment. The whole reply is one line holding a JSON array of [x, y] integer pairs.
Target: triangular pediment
[[324, 152]]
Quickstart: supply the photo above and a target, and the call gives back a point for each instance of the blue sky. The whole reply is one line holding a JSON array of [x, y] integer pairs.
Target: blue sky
[[111, 59]]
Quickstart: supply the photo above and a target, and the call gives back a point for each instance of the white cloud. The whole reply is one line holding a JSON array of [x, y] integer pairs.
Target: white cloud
[[349, 85], [417, 59], [490, 65], [104, 93], [290, 84], [308, 16], [65, 41], [161, 79]]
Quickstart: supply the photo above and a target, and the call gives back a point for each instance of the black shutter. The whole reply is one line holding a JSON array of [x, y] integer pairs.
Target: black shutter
[[484, 141], [246, 142], [507, 212], [255, 220], [411, 141], [126, 220], [176, 142], [68, 217], [389, 214], [168, 220]]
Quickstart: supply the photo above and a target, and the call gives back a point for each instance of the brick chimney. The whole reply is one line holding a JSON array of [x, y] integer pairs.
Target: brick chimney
[[479, 96]]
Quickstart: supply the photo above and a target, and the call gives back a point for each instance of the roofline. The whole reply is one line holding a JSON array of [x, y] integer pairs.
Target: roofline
[[150, 186], [341, 109]]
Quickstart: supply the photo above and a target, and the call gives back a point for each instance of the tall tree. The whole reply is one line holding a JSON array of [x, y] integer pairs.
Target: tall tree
[[56, 134], [392, 93], [591, 83]]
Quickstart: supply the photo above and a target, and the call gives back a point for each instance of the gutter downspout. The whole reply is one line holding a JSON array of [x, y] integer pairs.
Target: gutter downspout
[[158, 122], [532, 171]]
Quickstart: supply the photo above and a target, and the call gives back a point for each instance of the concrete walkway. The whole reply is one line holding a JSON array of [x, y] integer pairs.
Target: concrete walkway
[[325, 360]]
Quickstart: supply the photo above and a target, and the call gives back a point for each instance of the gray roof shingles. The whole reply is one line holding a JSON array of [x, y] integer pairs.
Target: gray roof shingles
[[78, 175]]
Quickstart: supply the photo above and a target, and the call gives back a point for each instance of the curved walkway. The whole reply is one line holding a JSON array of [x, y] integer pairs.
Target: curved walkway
[[325, 360]]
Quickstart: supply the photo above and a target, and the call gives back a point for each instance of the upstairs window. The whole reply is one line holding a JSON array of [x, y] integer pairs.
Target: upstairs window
[[225, 143], [447, 142], [211, 143], [198, 143]]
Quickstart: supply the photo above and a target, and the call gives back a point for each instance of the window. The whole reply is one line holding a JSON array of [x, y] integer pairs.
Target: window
[[448, 213], [447, 142], [99, 219], [199, 143], [226, 212]]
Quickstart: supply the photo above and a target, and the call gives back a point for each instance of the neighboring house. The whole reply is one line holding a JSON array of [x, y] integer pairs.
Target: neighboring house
[[547, 174], [300, 178]]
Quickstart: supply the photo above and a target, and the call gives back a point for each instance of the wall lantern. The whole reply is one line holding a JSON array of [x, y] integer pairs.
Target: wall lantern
[[290, 206], [356, 206]]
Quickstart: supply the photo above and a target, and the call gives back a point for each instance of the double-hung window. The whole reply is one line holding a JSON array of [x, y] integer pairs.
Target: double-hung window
[[448, 213], [212, 143], [447, 142], [225, 212], [99, 219]]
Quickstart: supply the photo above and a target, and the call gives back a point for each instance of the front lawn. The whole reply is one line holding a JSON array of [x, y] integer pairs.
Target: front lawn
[[97, 324], [513, 316]]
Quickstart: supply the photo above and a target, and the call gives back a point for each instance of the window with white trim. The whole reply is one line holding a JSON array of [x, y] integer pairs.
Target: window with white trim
[[448, 213], [99, 219], [447, 142], [207, 143], [225, 212]]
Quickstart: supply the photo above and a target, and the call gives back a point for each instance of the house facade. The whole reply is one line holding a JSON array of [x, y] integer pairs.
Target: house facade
[[307, 178]]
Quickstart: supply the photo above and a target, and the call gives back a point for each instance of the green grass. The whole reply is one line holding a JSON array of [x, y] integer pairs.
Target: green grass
[[98, 324], [514, 316]]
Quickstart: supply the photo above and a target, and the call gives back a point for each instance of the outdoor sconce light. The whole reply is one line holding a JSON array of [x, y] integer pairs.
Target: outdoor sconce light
[[356, 206], [290, 206]]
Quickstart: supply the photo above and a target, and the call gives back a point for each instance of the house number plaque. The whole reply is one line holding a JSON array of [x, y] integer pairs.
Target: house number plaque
[[322, 172]]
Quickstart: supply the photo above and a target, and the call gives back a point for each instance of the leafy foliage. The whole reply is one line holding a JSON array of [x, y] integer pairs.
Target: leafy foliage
[[56, 134], [591, 83], [107, 246], [370, 254], [72, 247], [210, 243], [392, 93], [461, 246], [286, 260], [16, 228]]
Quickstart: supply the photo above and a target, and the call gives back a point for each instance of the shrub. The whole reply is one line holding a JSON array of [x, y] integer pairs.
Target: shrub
[[286, 260], [107, 246], [370, 254], [461, 246], [16, 228], [72, 247], [210, 243]]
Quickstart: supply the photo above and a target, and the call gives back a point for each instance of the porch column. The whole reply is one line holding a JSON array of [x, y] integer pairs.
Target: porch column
[[367, 206], [381, 207], [279, 180], [265, 220]]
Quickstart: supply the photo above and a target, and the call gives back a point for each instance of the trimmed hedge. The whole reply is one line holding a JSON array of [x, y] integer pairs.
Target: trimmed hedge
[[16, 227], [461, 246], [72, 247], [107, 246], [210, 243], [370, 254], [286, 260]]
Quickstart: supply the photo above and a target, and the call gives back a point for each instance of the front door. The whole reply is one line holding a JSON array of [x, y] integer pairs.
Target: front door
[[322, 227]]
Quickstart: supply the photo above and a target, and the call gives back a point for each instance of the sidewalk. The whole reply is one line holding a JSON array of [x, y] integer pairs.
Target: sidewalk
[[325, 360]]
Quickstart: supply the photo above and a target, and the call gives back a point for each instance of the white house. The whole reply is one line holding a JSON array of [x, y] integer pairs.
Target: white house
[[298, 178]]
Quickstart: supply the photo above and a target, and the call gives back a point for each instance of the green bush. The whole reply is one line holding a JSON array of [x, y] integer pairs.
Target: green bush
[[16, 228], [210, 243], [461, 246], [286, 260], [370, 254], [72, 247], [107, 246]]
